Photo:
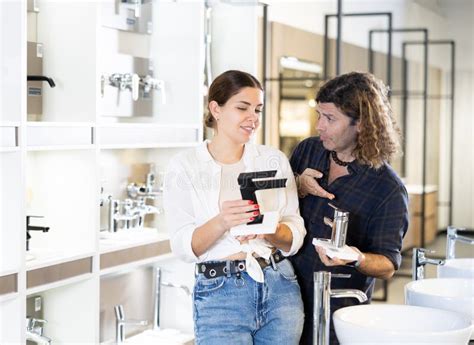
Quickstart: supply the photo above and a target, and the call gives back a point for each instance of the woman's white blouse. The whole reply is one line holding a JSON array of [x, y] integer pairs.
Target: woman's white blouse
[[191, 198]]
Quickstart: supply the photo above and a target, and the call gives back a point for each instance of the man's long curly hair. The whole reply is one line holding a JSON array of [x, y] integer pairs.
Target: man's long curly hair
[[363, 98]]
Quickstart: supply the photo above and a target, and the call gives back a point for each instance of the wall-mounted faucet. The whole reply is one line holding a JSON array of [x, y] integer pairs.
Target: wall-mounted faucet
[[33, 228], [34, 332], [148, 83], [452, 238], [145, 191], [133, 82], [322, 303], [120, 324], [122, 81], [157, 297], [419, 261]]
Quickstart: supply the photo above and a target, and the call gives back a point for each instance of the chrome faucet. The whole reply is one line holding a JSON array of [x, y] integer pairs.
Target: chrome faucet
[[322, 303], [145, 191], [120, 324], [149, 83], [158, 285], [34, 333], [451, 241], [420, 260], [339, 226]]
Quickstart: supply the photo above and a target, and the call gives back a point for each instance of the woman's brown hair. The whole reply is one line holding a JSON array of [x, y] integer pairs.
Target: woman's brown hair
[[225, 86], [363, 98]]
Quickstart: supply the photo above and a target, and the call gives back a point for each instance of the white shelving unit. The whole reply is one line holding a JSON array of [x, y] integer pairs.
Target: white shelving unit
[[54, 164]]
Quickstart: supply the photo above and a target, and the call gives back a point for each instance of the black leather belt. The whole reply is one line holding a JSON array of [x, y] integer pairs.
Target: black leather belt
[[222, 268]]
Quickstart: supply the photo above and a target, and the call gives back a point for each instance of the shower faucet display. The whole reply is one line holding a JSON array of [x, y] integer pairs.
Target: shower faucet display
[[336, 246], [250, 183]]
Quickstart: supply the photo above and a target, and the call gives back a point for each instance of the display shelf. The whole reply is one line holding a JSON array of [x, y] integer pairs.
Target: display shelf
[[8, 283], [70, 320], [11, 315], [53, 162], [61, 188], [59, 28], [59, 136], [12, 60], [11, 202], [147, 136]]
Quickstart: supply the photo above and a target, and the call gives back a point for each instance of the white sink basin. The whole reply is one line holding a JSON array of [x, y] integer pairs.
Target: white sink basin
[[401, 324], [455, 294], [457, 268], [163, 336]]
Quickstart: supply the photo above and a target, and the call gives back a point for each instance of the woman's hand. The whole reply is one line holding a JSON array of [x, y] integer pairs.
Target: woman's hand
[[307, 184], [236, 212]]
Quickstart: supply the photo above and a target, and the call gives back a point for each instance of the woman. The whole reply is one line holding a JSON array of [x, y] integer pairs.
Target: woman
[[246, 290]]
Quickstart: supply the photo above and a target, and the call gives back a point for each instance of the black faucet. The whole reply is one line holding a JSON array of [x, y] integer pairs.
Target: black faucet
[[253, 181], [33, 228]]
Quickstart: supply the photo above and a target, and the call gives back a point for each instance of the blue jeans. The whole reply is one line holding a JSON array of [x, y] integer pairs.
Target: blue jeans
[[239, 311]]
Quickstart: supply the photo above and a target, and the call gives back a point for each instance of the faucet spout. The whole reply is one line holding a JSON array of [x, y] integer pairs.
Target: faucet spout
[[37, 338], [349, 293]]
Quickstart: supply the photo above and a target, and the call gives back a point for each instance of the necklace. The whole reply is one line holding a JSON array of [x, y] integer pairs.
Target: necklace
[[337, 160]]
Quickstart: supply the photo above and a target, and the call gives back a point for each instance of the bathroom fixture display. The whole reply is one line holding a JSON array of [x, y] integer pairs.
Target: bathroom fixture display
[[121, 322], [35, 78], [34, 332], [33, 228], [157, 297], [336, 246], [454, 294], [322, 303], [147, 191], [400, 324], [419, 261], [128, 15], [128, 214], [158, 335], [250, 183], [126, 94]]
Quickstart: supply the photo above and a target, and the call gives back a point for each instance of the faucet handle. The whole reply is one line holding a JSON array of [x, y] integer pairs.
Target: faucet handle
[[328, 221], [340, 275], [424, 250], [31, 322]]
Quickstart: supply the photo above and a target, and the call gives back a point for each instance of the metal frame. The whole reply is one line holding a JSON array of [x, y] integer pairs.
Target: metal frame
[[452, 45], [405, 95], [339, 52], [338, 63]]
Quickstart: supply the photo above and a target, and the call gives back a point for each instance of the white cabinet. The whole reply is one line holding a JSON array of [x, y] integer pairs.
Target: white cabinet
[[56, 156]]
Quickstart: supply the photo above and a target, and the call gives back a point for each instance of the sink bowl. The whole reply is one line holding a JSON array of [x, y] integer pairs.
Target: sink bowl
[[457, 268], [455, 294], [163, 336], [401, 324]]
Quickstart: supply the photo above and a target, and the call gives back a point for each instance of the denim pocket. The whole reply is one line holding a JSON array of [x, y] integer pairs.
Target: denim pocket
[[204, 285], [286, 270]]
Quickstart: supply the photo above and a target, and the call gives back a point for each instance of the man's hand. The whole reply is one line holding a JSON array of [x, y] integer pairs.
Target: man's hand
[[307, 184], [327, 261]]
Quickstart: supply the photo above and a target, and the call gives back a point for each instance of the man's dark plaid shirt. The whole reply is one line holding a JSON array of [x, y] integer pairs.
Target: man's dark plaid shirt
[[378, 204]]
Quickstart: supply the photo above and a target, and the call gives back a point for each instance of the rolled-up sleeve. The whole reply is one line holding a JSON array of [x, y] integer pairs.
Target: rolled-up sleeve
[[179, 211], [388, 226], [291, 214]]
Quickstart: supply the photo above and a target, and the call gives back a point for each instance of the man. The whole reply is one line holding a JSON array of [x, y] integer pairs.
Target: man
[[347, 165]]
